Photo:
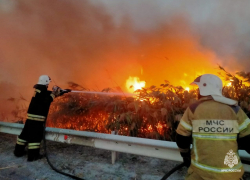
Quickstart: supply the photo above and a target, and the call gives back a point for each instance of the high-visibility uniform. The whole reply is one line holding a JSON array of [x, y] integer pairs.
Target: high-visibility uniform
[[214, 128], [32, 132]]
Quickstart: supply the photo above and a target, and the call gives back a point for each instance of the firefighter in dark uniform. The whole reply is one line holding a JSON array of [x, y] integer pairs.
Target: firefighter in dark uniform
[[217, 128], [32, 132]]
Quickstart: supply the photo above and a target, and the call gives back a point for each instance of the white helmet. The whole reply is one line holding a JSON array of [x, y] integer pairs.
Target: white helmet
[[210, 84], [44, 80]]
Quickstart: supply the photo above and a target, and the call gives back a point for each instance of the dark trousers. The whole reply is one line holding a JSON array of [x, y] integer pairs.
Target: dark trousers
[[31, 135]]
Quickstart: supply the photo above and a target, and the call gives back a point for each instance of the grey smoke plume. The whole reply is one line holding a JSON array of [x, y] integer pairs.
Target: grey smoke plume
[[100, 43], [223, 26]]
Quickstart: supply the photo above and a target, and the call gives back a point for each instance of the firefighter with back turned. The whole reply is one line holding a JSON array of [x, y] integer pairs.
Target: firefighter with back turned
[[32, 132], [217, 128]]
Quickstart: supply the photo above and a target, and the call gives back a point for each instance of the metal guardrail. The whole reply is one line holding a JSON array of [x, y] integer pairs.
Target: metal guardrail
[[139, 146], [132, 145]]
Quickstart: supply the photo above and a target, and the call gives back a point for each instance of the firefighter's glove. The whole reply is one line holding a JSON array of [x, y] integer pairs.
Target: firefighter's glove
[[56, 91], [186, 158], [243, 143]]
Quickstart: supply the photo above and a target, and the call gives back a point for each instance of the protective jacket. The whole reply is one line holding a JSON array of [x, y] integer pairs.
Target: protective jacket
[[214, 128], [40, 103], [32, 132]]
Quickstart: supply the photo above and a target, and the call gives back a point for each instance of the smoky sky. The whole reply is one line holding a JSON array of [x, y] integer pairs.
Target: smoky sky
[[100, 43], [223, 26]]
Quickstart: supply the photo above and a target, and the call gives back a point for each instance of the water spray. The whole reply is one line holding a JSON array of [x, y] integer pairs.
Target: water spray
[[62, 91], [104, 93]]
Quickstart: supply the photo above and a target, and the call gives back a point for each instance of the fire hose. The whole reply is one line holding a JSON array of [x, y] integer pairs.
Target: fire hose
[[62, 91], [56, 88], [172, 171], [51, 165]]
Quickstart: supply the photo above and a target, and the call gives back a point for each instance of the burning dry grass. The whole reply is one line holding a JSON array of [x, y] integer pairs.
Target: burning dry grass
[[153, 113]]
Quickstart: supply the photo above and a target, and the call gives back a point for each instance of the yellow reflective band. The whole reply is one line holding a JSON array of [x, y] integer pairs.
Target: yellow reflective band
[[35, 119], [195, 150], [53, 96], [244, 124], [20, 140], [36, 116], [34, 144], [20, 143], [37, 90], [215, 136], [217, 170], [34, 147], [186, 125]]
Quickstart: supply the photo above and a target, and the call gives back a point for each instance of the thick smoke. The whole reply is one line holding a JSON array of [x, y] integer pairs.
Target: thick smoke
[[85, 42], [222, 26]]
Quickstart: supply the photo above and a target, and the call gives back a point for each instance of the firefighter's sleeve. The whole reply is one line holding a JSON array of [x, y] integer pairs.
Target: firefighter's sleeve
[[183, 142], [184, 132], [185, 126], [183, 137], [50, 96], [244, 131], [244, 124]]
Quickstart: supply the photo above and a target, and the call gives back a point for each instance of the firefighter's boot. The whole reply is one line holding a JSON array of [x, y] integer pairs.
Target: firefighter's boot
[[33, 155], [33, 152], [20, 147], [19, 150]]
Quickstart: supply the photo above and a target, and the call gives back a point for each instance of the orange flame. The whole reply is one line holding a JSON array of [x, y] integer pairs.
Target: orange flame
[[134, 83], [187, 89]]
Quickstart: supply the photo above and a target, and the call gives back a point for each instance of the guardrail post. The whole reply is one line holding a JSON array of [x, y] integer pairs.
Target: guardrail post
[[114, 153]]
